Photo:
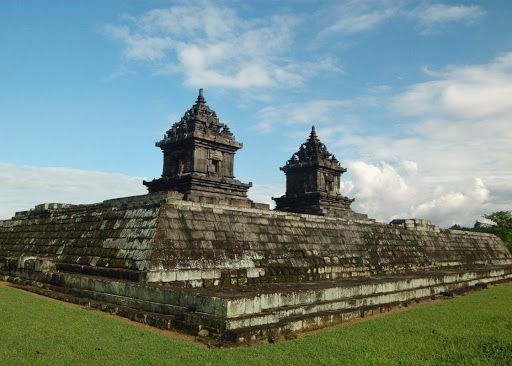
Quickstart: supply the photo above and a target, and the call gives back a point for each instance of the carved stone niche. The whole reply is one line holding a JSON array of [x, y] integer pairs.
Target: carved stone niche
[[215, 167]]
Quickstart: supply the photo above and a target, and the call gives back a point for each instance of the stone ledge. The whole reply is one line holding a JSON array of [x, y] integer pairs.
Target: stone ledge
[[300, 307]]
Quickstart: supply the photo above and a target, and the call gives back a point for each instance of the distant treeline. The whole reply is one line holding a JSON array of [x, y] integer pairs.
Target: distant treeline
[[501, 226]]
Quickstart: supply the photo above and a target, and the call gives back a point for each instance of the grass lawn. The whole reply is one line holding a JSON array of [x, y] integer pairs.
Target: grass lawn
[[475, 329]]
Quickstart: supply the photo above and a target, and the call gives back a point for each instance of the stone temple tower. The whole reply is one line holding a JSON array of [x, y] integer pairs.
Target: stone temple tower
[[199, 153], [313, 182]]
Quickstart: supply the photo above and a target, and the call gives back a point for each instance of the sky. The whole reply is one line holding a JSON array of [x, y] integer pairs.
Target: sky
[[414, 98]]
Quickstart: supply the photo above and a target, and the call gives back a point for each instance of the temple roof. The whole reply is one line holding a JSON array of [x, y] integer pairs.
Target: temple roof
[[313, 150], [200, 117]]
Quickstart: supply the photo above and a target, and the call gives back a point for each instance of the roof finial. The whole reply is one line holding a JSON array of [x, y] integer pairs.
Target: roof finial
[[313, 135], [200, 97]]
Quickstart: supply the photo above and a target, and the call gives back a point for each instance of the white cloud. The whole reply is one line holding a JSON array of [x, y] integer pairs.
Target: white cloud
[[354, 23], [463, 117], [463, 92], [203, 19], [320, 112], [385, 194], [362, 16], [456, 206], [410, 167], [23, 187], [356, 16], [138, 46], [380, 190], [434, 16], [210, 45], [299, 113]]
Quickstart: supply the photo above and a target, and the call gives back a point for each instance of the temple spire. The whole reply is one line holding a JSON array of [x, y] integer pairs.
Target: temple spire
[[313, 177], [199, 152], [200, 97], [313, 135]]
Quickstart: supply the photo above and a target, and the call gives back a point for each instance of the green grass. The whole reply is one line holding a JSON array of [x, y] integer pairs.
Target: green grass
[[475, 329]]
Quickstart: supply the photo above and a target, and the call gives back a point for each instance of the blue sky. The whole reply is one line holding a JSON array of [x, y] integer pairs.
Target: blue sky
[[414, 98]]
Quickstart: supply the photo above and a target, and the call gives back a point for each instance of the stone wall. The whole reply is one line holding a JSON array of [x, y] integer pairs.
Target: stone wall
[[160, 238], [112, 239], [205, 245]]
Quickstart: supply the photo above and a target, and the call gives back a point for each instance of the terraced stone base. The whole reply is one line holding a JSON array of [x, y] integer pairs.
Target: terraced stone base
[[238, 274], [252, 313]]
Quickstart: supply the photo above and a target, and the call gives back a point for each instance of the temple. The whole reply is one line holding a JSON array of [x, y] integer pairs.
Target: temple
[[313, 177], [196, 254], [199, 153]]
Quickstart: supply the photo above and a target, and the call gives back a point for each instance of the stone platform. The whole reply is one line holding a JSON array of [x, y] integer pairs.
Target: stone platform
[[256, 312], [242, 274]]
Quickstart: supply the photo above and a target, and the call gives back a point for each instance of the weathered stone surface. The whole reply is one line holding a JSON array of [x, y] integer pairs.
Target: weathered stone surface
[[109, 239], [164, 240], [257, 246], [255, 312]]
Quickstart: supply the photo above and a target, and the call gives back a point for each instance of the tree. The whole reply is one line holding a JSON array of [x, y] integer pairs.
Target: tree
[[502, 219], [502, 226]]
